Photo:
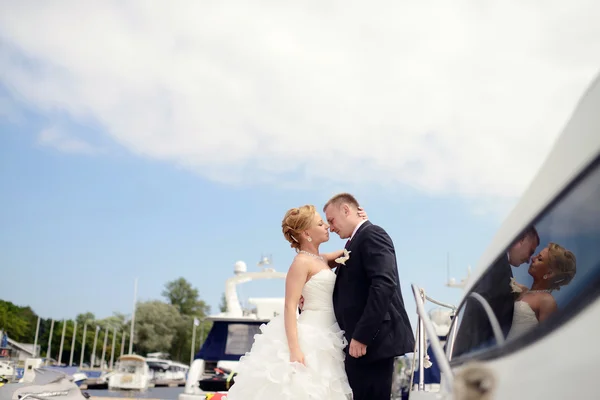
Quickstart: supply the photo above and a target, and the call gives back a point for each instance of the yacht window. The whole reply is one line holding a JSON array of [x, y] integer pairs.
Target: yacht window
[[240, 338], [541, 279], [128, 367]]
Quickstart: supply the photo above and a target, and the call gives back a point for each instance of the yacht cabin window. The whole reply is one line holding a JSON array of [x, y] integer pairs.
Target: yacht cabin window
[[549, 273], [240, 338]]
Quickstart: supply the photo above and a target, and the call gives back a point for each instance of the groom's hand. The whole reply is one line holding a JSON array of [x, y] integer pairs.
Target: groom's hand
[[357, 349]]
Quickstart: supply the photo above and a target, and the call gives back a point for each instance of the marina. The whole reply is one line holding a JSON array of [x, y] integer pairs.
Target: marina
[[451, 355], [213, 368], [156, 376], [185, 190], [232, 333], [161, 393]]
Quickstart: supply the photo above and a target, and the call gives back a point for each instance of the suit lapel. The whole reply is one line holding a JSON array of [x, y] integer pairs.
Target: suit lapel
[[349, 245], [357, 235]]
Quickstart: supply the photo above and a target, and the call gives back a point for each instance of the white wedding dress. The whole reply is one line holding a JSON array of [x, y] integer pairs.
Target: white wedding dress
[[266, 371], [524, 319]]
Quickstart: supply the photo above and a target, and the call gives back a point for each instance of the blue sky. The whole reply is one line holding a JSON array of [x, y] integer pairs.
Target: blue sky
[[78, 228], [162, 141]]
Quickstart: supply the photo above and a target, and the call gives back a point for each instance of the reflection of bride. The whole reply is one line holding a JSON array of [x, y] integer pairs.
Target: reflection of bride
[[552, 268]]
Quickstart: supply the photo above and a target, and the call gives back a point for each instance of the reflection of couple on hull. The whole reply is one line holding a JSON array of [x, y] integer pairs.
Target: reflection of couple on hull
[[353, 322], [517, 308]]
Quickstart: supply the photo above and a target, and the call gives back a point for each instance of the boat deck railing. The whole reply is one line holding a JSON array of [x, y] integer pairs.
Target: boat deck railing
[[424, 324]]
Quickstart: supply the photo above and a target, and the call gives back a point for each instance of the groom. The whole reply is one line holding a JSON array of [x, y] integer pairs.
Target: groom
[[475, 331], [367, 301]]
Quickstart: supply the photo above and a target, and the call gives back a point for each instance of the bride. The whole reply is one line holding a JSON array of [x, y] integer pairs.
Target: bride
[[299, 357], [552, 268]]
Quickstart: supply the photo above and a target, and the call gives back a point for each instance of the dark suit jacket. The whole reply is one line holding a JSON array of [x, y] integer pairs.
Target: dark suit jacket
[[475, 331], [367, 298]]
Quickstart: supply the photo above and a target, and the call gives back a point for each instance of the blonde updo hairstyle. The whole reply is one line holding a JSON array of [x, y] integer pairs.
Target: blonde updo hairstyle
[[563, 264], [295, 221]]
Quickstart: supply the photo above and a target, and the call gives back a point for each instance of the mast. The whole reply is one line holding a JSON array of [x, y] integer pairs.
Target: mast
[[133, 317]]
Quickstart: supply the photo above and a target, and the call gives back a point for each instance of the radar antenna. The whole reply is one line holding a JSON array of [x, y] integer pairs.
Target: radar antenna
[[265, 261], [451, 282]]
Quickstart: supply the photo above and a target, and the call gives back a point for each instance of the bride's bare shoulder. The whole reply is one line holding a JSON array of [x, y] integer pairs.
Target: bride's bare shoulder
[[301, 264]]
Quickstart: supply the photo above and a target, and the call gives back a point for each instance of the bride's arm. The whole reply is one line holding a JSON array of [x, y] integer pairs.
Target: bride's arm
[[330, 257], [547, 307], [294, 282]]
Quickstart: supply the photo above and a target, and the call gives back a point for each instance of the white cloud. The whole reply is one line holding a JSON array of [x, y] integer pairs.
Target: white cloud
[[58, 139], [458, 98]]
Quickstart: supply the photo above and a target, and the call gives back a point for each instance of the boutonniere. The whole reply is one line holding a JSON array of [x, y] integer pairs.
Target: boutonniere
[[514, 286], [342, 260], [427, 361]]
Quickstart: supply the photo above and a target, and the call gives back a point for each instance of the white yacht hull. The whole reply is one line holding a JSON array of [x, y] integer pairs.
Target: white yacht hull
[[557, 356], [120, 381], [192, 389], [553, 367]]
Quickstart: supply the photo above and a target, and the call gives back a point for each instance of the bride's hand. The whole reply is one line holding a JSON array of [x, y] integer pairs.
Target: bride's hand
[[297, 356], [362, 213], [524, 289], [517, 287]]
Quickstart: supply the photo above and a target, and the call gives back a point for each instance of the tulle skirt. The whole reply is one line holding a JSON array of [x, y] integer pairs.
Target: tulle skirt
[[266, 371]]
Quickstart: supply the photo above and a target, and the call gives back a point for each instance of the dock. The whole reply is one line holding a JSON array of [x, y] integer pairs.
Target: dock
[[116, 398], [94, 383], [208, 396], [167, 383], [97, 383]]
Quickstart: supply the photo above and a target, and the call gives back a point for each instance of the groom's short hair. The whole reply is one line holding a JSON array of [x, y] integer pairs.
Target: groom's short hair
[[531, 231], [340, 198]]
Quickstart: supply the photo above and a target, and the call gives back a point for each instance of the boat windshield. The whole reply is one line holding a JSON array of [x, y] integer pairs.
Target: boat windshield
[[129, 367]]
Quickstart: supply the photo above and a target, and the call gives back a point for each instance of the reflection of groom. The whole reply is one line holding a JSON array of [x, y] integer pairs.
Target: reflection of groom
[[367, 301], [475, 331]]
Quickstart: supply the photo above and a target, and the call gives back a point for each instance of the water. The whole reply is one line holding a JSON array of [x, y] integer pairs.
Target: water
[[162, 393]]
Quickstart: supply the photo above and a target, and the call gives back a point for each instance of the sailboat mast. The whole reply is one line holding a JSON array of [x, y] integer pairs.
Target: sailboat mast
[[133, 316]]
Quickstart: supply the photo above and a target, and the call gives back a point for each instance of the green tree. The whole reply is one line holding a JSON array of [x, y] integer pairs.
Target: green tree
[[16, 325], [159, 326], [223, 305], [155, 326], [185, 298], [84, 318], [182, 343], [88, 319], [116, 321]]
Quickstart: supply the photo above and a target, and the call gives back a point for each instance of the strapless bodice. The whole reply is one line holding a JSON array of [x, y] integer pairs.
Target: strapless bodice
[[524, 319], [318, 291]]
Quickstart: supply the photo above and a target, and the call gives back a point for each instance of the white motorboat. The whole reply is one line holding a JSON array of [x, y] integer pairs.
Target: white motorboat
[[7, 370], [40, 383], [231, 335], [553, 355], [163, 369], [132, 373]]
